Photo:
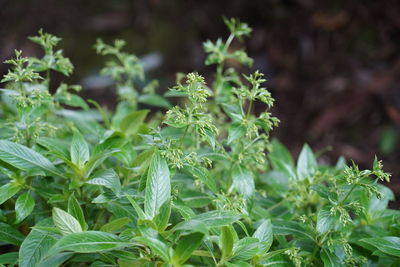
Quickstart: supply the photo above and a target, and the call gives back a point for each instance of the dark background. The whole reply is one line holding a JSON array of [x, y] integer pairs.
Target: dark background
[[332, 66]]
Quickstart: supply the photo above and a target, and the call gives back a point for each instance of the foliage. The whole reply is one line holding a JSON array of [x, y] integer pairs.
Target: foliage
[[201, 186]]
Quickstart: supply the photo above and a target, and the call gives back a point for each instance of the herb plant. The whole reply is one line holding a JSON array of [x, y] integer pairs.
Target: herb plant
[[201, 184]]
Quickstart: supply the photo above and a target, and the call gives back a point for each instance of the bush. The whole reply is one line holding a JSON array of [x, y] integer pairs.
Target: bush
[[202, 185]]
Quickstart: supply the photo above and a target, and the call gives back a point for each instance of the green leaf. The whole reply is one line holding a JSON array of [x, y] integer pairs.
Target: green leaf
[[65, 222], [162, 218], [74, 208], [23, 207], [7, 191], [131, 122], [280, 152], [227, 239], [217, 218], [9, 258], [155, 100], [158, 186], [243, 181], [282, 227], [389, 244], [156, 246], [203, 174], [236, 131], [330, 259], [9, 235], [80, 153], [36, 245], [264, 234], [25, 159], [107, 178], [115, 225], [306, 163], [89, 242], [326, 221], [245, 248], [185, 247]]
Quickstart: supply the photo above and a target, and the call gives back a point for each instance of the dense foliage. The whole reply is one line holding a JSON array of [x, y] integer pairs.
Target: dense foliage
[[201, 185]]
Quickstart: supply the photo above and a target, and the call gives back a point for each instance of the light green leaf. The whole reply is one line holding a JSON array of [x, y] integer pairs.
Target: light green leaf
[[158, 186], [98, 159], [25, 159], [115, 225], [389, 244], [74, 208], [185, 247], [227, 238], [7, 191], [306, 163], [23, 207], [280, 152], [107, 178], [130, 123], [202, 174], [326, 221], [236, 131], [80, 153], [243, 181], [65, 222], [89, 242], [217, 218], [159, 248], [264, 234], [245, 248], [9, 235], [155, 100]]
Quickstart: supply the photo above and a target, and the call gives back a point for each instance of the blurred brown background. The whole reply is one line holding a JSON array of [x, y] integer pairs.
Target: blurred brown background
[[333, 66]]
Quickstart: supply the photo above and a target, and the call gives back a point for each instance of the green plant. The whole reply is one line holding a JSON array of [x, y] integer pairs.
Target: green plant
[[201, 186]]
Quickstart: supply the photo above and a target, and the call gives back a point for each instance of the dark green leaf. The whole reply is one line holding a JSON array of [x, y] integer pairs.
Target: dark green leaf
[[74, 208], [185, 247], [9, 235]]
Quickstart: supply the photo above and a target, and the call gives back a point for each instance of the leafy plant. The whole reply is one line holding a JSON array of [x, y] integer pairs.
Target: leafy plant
[[203, 185]]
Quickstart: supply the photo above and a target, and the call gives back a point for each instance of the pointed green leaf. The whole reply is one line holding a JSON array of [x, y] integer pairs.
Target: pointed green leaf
[[23, 207], [158, 247], [74, 208], [107, 178], [243, 181], [65, 222], [306, 163], [25, 159], [89, 242], [158, 186], [7, 191], [226, 240], [185, 247], [130, 123], [264, 233], [115, 225], [236, 131], [9, 235], [389, 244], [36, 245], [79, 150]]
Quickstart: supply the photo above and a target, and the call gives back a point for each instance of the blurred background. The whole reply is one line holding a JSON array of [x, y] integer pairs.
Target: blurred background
[[332, 66]]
